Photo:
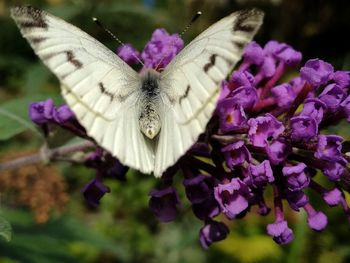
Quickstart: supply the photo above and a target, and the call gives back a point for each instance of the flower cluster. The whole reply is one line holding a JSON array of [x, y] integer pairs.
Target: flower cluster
[[265, 133]]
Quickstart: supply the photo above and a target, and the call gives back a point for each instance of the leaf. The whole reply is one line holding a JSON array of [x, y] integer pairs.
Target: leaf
[[35, 78], [58, 240], [14, 116], [5, 229]]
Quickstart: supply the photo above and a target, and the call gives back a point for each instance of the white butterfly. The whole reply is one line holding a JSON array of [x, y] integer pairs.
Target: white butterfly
[[147, 121]]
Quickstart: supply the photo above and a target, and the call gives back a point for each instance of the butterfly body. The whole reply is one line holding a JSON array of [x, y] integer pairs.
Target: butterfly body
[[147, 121]]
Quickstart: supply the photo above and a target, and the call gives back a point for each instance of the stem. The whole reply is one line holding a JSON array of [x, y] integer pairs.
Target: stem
[[42, 156], [307, 88], [279, 216], [271, 83]]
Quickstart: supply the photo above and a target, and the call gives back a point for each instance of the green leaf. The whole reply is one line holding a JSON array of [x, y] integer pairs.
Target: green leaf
[[35, 78], [5, 229], [14, 116], [62, 239]]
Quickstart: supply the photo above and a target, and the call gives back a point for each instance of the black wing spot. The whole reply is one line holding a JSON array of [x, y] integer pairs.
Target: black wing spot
[[71, 58], [243, 19], [211, 63], [105, 91], [37, 40], [185, 94], [239, 44], [36, 16], [49, 56]]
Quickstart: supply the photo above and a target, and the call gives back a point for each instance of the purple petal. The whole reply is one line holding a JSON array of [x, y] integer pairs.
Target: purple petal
[[263, 128], [163, 203], [280, 232], [129, 54], [303, 128], [329, 147], [211, 232], [94, 191], [41, 112], [316, 72], [333, 197]]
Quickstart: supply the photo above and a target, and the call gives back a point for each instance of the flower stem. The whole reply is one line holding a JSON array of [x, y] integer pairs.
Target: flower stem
[[42, 156]]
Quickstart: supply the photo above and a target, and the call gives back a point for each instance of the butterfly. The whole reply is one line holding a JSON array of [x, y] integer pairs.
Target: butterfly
[[149, 120]]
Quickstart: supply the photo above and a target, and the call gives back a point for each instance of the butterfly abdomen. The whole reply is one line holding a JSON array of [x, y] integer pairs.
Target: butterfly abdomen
[[149, 120]]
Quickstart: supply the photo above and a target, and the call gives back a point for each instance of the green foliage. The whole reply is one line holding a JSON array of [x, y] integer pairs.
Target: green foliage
[[14, 116], [5, 229], [63, 239]]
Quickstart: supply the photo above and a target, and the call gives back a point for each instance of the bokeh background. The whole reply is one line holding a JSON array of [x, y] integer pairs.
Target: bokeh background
[[50, 221]]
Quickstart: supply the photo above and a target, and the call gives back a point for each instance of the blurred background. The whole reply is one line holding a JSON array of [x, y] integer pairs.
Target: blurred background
[[51, 223]]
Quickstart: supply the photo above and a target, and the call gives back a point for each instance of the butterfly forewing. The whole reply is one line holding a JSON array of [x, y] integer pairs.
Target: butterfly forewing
[[98, 86], [190, 83]]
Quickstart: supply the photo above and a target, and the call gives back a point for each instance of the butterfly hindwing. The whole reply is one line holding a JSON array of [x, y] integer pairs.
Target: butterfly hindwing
[[98, 86], [191, 82]]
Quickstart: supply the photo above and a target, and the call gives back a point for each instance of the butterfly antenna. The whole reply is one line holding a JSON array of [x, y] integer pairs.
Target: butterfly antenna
[[194, 18], [114, 37]]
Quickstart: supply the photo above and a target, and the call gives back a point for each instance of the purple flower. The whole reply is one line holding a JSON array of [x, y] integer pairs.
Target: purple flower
[[232, 197], [41, 112], [316, 72], [225, 90], [296, 177], [342, 79], [241, 78], [345, 107], [296, 199], [283, 52], [129, 54], [278, 151], [254, 54], [329, 148], [303, 128], [314, 108], [197, 189], [259, 130], [267, 69], [231, 115], [261, 174], [280, 232], [284, 95], [211, 232], [316, 220], [332, 96], [114, 169], [245, 96], [63, 114], [236, 153], [333, 170], [263, 128], [94, 191], [161, 49], [297, 84], [333, 197], [163, 203], [209, 208], [106, 165]]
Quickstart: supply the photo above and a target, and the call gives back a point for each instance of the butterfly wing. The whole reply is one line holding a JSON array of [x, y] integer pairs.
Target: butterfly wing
[[190, 83], [98, 86]]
